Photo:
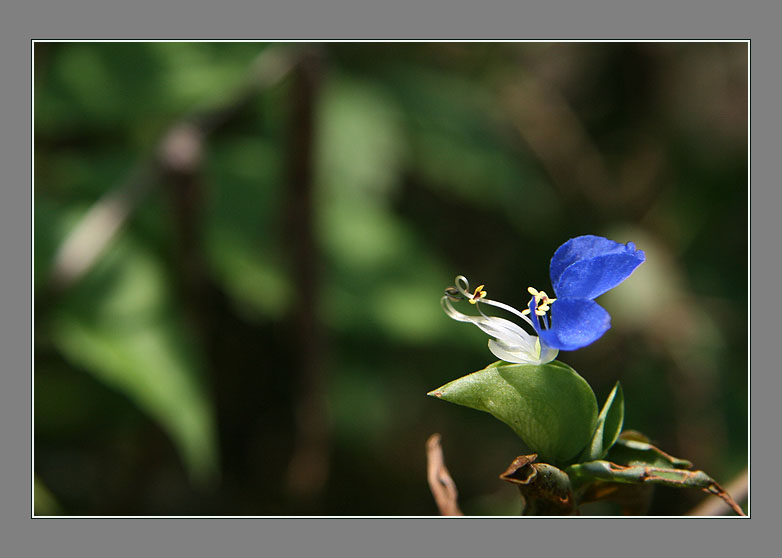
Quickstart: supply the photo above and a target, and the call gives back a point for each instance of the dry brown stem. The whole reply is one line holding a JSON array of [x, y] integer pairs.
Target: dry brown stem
[[440, 482], [739, 487]]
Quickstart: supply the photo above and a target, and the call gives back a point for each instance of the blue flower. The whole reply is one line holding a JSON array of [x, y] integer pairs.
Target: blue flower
[[581, 270]]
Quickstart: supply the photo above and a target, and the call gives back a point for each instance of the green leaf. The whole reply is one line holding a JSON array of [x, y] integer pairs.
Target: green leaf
[[606, 476], [637, 474], [627, 458], [118, 326], [636, 462], [549, 406], [631, 452], [609, 425]]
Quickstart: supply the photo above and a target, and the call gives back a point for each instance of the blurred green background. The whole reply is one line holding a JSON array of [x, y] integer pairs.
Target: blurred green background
[[239, 251]]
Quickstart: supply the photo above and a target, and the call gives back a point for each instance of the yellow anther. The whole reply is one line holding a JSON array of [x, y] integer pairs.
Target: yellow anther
[[525, 311], [542, 302], [478, 294]]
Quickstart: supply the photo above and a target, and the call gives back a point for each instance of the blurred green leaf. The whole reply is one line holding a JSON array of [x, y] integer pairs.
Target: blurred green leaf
[[549, 406], [609, 425], [255, 279], [357, 392], [459, 143], [118, 326], [240, 225], [360, 145], [383, 276], [44, 240], [44, 502]]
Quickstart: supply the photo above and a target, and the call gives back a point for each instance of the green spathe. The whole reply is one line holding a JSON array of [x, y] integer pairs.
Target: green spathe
[[609, 425], [549, 406]]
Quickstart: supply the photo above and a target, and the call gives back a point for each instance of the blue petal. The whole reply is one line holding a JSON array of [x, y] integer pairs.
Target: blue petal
[[588, 266], [575, 323], [591, 278]]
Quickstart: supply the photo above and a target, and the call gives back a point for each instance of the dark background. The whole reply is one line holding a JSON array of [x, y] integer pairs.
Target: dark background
[[259, 335]]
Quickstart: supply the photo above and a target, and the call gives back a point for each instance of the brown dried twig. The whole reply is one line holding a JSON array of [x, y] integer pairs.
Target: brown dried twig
[[440, 482], [739, 487]]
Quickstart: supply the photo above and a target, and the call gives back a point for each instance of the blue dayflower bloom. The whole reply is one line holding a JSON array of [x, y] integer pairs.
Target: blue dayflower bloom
[[581, 270]]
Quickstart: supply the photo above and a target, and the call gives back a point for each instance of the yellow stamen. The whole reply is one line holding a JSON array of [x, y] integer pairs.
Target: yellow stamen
[[478, 294], [542, 302]]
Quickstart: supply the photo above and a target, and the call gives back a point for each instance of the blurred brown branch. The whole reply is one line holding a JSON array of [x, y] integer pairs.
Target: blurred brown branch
[[84, 245], [555, 131], [309, 465], [440, 482], [180, 145]]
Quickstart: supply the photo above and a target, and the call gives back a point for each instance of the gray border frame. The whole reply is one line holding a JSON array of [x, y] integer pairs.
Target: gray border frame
[[354, 19]]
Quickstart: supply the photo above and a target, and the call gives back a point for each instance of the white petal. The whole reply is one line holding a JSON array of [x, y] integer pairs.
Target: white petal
[[510, 342], [547, 354], [503, 330], [520, 355], [517, 356]]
